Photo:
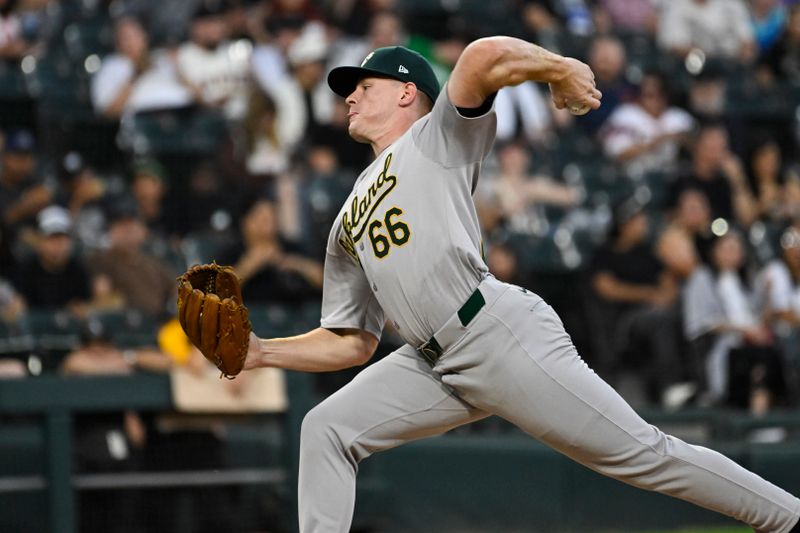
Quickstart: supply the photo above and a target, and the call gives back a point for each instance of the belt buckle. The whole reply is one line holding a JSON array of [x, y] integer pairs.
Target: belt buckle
[[431, 351]]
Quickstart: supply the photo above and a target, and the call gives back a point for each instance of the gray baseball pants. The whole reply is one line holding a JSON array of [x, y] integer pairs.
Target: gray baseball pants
[[514, 360]]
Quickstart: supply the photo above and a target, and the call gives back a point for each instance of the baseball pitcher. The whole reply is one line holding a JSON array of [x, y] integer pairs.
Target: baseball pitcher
[[407, 247]]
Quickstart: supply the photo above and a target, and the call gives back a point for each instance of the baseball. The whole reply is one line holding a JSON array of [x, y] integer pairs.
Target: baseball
[[578, 109]]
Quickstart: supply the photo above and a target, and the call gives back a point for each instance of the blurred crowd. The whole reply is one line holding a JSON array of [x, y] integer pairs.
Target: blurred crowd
[[140, 137]]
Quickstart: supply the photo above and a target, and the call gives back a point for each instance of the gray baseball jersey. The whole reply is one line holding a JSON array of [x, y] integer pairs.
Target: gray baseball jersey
[[407, 246], [407, 242]]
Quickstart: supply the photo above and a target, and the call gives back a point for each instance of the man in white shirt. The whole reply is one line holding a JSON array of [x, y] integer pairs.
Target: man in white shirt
[[720, 28], [645, 136], [135, 79], [216, 71]]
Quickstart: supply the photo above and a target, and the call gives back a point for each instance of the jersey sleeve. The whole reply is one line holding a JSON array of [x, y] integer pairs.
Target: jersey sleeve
[[347, 301], [447, 136]]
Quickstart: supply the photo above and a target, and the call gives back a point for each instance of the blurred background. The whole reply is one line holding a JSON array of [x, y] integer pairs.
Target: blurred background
[[139, 137]]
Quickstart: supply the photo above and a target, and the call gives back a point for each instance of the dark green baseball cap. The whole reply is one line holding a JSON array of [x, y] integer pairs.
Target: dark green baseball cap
[[397, 62]]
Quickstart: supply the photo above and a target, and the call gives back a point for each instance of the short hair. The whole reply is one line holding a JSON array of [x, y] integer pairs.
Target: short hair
[[425, 104]]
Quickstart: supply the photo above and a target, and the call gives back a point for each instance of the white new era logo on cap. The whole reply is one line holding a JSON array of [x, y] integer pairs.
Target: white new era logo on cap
[[402, 69]]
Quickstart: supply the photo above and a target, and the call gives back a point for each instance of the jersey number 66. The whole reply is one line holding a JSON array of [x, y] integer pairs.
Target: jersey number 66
[[397, 230]]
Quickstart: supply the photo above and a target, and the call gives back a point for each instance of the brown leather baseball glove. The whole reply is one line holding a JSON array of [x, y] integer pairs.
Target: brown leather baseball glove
[[213, 315]]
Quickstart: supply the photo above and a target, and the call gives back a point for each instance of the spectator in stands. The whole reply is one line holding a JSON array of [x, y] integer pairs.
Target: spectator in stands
[[269, 134], [720, 175], [607, 58], [12, 305], [269, 64], [271, 270], [351, 155], [97, 355], [55, 278], [743, 363], [84, 194], [245, 20], [523, 111], [353, 17], [303, 98], [503, 263], [719, 28], [324, 186], [80, 186], [134, 78], [8, 261], [783, 59], [214, 69], [304, 9], [114, 441], [769, 20], [635, 16], [22, 193], [791, 191], [689, 226], [573, 15], [385, 29], [769, 180], [149, 190], [210, 203], [12, 308], [778, 286], [707, 96], [14, 44], [513, 197], [141, 280], [540, 24], [645, 136], [633, 304]]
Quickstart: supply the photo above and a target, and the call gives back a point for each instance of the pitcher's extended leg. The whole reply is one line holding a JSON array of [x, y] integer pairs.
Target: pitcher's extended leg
[[396, 400], [527, 371]]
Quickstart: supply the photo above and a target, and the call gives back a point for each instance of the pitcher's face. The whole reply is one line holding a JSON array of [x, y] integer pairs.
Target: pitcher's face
[[371, 105]]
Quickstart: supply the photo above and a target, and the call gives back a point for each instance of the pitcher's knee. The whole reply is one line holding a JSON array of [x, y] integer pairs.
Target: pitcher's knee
[[317, 425], [323, 431], [640, 461]]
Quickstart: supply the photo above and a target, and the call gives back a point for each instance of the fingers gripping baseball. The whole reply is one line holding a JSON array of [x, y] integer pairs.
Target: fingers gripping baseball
[[576, 91]]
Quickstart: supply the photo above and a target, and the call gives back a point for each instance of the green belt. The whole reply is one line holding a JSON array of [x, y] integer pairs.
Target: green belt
[[432, 350]]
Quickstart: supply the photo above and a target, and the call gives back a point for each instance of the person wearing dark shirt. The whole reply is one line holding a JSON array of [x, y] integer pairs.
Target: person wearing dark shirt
[[271, 269], [54, 278], [634, 302], [719, 174], [125, 271], [149, 187], [22, 195], [607, 58]]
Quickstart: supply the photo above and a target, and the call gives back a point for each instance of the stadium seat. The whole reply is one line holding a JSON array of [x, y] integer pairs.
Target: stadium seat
[[15, 338], [176, 131], [128, 328], [12, 81], [86, 37], [204, 246], [641, 49], [54, 333], [53, 330], [61, 87]]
